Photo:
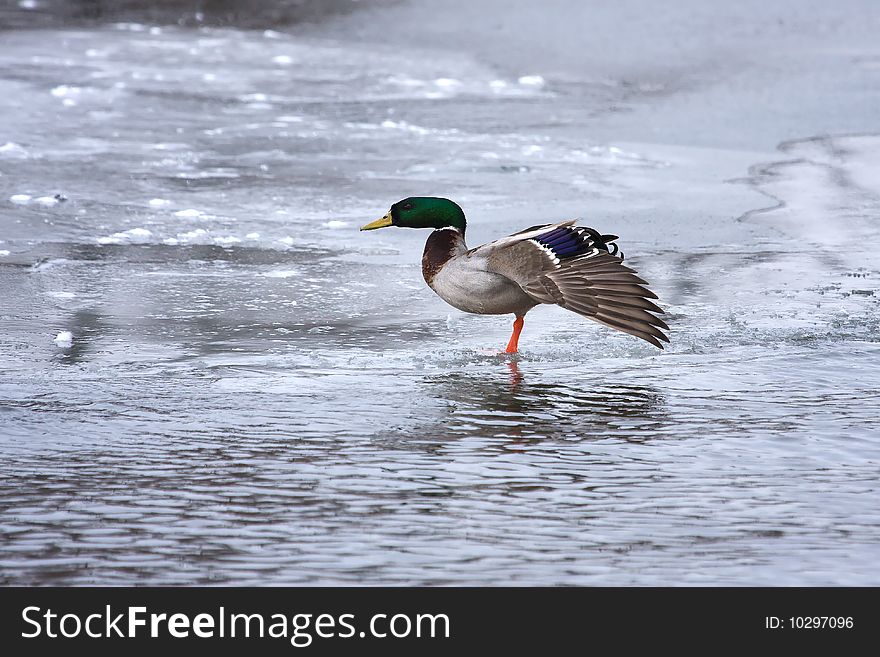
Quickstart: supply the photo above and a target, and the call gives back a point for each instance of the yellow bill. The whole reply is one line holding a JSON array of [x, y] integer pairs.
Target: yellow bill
[[384, 222]]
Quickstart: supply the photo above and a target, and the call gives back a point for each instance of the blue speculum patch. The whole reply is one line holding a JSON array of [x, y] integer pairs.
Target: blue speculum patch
[[566, 243]]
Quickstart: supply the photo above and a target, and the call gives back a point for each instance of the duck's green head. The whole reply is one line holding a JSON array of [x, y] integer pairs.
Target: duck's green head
[[422, 212]]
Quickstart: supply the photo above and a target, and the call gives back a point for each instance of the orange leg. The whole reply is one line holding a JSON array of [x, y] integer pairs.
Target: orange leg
[[514, 338]]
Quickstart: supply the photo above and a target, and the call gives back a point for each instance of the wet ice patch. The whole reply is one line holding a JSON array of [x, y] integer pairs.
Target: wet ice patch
[[52, 263], [131, 236], [472, 84], [64, 339], [170, 146], [825, 195], [130, 27], [534, 81], [197, 236], [863, 161], [388, 124], [253, 98], [190, 212], [213, 172], [404, 81], [12, 150], [67, 93], [45, 201], [403, 125], [335, 224], [158, 202], [4, 253]]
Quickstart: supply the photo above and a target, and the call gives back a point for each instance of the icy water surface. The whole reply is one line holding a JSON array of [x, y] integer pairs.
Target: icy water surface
[[207, 375]]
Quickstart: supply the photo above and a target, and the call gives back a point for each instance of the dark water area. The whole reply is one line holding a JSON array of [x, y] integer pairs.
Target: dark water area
[[208, 375]]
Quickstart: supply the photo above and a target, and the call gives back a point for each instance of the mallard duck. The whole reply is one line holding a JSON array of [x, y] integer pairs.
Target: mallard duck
[[572, 266]]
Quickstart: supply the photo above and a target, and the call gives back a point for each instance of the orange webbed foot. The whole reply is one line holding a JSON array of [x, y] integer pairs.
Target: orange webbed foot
[[513, 344]]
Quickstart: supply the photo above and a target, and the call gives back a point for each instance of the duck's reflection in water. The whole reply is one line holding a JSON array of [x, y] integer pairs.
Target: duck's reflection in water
[[508, 401], [516, 376]]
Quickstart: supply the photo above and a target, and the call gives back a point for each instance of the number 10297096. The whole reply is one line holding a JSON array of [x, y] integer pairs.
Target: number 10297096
[[809, 622]]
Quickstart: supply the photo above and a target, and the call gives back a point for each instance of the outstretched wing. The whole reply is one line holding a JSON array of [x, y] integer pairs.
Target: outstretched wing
[[581, 270]]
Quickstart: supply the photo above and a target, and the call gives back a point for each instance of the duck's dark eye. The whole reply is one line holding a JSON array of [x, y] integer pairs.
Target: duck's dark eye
[[407, 206]]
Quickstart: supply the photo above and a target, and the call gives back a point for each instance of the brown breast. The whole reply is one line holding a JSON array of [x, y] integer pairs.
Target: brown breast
[[440, 247]]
